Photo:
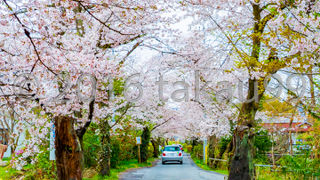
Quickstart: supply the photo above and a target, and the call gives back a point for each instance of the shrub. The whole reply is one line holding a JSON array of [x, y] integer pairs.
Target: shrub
[[262, 144], [115, 152], [127, 144], [150, 150], [301, 165], [223, 144], [198, 151], [91, 146], [42, 168], [188, 148]]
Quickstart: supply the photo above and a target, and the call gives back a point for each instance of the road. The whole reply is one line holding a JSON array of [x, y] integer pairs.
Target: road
[[187, 171]]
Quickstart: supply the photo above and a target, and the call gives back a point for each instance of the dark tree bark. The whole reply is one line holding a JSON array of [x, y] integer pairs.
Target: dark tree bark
[[242, 166], [145, 139], [68, 149], [104, 163]]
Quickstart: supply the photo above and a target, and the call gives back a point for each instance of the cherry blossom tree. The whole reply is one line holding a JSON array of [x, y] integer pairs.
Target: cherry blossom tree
[[263, 37], [58, 56]]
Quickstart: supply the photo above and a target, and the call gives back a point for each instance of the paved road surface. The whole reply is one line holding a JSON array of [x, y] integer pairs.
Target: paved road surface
[[187, 171]]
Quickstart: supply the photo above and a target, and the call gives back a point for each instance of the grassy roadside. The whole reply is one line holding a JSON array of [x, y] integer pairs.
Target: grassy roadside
[[89, 174], [27, 172], [203, 166], [123, 166], [8, 173]]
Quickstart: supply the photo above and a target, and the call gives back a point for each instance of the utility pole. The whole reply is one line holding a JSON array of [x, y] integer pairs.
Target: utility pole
[[204, 150], [138, 143], [139, 154]]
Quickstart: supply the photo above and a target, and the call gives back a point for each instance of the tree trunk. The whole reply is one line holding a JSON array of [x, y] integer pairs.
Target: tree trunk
[[13, 152], [211, 149], [104, 163], [145, 139], [68, 149], [241, 165]]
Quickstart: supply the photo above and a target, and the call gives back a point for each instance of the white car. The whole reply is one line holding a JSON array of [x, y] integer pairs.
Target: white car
[[171, 154]]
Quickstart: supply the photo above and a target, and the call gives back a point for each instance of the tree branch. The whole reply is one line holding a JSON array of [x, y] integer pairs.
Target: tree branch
[[27, 33], [80, 132], [103, 23], [127, 107]]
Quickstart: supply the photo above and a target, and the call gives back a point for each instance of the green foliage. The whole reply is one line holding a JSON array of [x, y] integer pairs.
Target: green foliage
[[268, 105], [9, 173], [194, 142], [262, 144], [268, 173], [44, 166], [187, 148], [115, 152], [223, 143], [197, 151], [40, 168], [150, 150], [301, 166], [126, 137], [91, 146], [127, 146], [118, 86]]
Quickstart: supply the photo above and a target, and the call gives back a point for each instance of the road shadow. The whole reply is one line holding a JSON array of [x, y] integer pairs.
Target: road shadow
[[171, 164]]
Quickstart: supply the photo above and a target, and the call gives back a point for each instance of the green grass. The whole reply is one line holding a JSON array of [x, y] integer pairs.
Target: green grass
[[6, 159], [224, 172], [266, 173], [8, 173], [203, 166], [123, 166]]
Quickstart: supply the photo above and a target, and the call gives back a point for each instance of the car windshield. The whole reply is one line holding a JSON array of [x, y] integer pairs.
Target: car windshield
[[172, 149]]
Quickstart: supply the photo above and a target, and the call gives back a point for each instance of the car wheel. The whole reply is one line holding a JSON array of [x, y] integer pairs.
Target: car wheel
[[163, 162], [181, 162]]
